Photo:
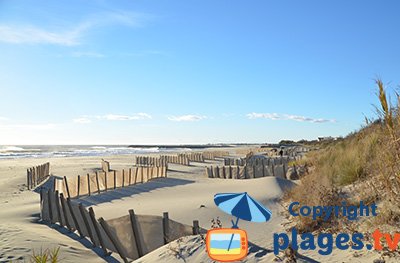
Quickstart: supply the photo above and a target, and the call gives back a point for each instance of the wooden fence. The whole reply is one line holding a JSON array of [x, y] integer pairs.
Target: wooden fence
[[103, 181], [235, 161], [150, 161], [131, 236], [258, 161], [105, 166], [297, 151], [37, 174], [211, 155], [194, 157], [176, 159], [247, 171]]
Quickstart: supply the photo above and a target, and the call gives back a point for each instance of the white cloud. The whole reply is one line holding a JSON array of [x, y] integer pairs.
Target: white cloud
[[82, 120], [3, 118], [187, 118], [271, 116], [276, 116], [31, 34], [112, 117], [34, 35], [116, 117]]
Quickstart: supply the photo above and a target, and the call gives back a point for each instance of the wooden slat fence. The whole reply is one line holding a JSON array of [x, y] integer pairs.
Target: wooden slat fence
[[130, 236], [98, 182], [37, 174]]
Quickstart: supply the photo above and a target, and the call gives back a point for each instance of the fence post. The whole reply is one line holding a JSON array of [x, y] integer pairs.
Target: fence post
[[38, 174], [96, 228], [263, 170], [105, 181], [116, 244], [136, 174], [28, 179], [41, 203], [123, 177], [54, 184], [97, 182], [79, 184], [166, 227], [74, 218], [196, 229], [58, 207], [141, 174], [66, 186], [115, 179], [50, 206], [273, 170], [33, 177], [86, 222], [88, 183], [136, 232], [64, 209], [284, 170], [217, 172]]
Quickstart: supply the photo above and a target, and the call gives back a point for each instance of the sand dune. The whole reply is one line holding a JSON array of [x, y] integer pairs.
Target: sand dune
[[186, 194]]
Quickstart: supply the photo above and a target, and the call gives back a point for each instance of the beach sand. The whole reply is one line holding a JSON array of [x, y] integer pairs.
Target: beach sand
[[186, 194]]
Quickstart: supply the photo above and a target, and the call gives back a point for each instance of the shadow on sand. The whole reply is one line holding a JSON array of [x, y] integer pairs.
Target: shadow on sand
[[260, 252], [129, 191], [84, 241]]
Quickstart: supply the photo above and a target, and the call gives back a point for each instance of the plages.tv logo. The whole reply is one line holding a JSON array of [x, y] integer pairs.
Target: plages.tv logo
[[324, 243], [231, 244]]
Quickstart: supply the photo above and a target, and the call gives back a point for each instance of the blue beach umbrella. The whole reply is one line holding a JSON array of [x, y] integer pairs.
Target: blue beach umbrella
[[242, 206]]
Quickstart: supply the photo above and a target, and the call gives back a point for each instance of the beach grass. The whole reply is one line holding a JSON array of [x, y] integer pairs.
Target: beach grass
[[46, 255], [368, 160]]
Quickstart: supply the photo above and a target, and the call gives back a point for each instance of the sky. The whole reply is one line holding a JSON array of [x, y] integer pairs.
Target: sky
[[175, 72]]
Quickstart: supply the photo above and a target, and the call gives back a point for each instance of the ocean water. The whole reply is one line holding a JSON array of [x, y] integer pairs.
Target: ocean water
[[47, 151]]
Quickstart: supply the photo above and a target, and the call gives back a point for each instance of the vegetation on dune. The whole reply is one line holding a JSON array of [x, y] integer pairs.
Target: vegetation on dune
[[45, 256], [367, 161]]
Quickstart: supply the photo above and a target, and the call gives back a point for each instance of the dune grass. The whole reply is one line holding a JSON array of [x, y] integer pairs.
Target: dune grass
[[45, 256], [370, 156]]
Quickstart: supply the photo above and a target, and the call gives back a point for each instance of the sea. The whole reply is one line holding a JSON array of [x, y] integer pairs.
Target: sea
[[49, 151]]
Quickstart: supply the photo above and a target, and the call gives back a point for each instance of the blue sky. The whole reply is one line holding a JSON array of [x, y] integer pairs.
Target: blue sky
[[121, 72]]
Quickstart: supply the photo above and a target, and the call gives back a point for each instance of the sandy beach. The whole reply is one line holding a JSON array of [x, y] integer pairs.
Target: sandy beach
[[186, 194]]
